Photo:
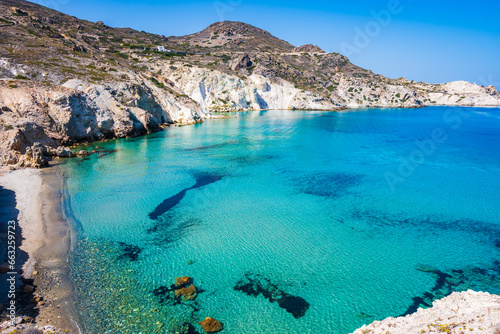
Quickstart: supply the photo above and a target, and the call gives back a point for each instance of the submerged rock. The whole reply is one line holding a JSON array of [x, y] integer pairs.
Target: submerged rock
[[211, 325], [183, 281], [188, 293], [130, 252], [255, 285]]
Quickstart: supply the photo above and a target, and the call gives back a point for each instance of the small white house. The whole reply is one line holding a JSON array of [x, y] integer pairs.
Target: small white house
[[161, 49]]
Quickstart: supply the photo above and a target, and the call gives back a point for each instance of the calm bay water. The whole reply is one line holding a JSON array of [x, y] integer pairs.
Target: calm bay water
[[339, 219]]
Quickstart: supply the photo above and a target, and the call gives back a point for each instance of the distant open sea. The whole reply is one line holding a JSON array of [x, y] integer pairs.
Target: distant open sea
[[287, 221]]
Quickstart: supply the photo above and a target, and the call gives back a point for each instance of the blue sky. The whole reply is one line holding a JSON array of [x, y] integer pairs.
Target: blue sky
[[422, 40]]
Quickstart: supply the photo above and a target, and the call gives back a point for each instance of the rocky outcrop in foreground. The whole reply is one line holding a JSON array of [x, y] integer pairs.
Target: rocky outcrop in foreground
[[42, 121], [461, 312]]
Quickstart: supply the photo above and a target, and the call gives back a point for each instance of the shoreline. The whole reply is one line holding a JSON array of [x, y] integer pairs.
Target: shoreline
[[47, 239]]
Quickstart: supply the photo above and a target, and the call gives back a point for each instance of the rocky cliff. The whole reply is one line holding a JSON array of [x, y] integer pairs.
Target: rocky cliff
[[461, 312], [65, 81]]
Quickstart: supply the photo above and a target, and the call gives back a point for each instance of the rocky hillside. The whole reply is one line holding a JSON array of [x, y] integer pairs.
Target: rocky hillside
[[235, 37], [64, 80]]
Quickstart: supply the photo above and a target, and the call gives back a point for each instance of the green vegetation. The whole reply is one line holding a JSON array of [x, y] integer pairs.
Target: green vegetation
[[21, 77], [157, 83], [330, 88], [225, 58], [122, 55]]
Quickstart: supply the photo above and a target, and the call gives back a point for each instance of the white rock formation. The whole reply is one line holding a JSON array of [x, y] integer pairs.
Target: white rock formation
[[461, 312], [138, 103], [215, 90], [464, 93], [78, 112]]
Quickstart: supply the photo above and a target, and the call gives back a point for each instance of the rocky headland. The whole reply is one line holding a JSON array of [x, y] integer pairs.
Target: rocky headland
[[65, 81], [460, 312]]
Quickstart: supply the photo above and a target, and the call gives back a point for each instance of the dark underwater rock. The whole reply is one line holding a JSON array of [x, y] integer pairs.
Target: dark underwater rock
[[187, 293], [255, 285], [130, 252]]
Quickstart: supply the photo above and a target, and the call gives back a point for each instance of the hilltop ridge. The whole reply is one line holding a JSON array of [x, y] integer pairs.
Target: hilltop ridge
[[235, 36]]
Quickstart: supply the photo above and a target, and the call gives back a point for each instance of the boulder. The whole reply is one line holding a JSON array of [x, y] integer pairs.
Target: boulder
[[187, 293], [242, 62], [8, 158], [83, 153], [48, 329], [183, 281], [211, 325], [34, 157], [65, 152]]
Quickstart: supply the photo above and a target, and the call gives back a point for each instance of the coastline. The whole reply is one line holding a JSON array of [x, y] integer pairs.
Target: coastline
[[46, 239]]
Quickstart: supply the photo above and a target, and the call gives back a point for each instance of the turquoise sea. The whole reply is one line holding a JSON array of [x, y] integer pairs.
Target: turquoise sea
[[287, 221]]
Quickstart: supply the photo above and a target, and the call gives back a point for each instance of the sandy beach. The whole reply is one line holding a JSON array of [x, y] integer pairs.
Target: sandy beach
[[46, 242]]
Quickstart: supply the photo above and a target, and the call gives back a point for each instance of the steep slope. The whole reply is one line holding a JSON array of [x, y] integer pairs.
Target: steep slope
[[64, 80]]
